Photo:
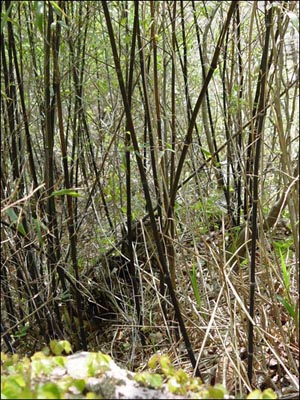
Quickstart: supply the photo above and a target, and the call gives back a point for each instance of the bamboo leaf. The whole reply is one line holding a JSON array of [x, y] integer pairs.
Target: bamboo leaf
[[39, 19], [5, 17], [69, 192], [58, 11], [15, 220]]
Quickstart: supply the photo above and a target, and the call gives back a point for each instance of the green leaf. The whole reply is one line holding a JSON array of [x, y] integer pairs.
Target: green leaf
[[266, 394], [62, 192], [104, 359], [79, 384], [21, 332], [175, 387], [269, 394], [60, 360], [256, 394], [39, 19], [91, 395], [39, 226], [216, 392], [19, 381], [58, 346], [153, 361], [12, 387], [46, 351], [194, 384], [68, 382], [285, 273], [165, 364], [206, 152], [5, 17], [289, 308], [98, 362], [65, 296], [38, 355], [58, 11], [195, 287], [283, 244], [149, 379], [15, 220], [49, 390], [21, 229], [41, 365], [181, 376]]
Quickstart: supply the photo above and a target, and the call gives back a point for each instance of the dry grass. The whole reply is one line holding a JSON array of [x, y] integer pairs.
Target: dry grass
[[218, 326]]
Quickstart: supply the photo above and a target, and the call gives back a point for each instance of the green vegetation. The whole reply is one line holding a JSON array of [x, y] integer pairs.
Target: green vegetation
[[150, 192], [34, 378]]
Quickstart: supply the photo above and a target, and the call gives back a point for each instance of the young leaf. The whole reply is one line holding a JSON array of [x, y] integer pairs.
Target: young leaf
[[153, 361], [216, 392], [289, 308], [58, 346], [148, 379], [49, 390], [175, 387], [166, 366], [206, 152], [62, 192], [269, 394], [14, 219], [266, 394], [79, 384]]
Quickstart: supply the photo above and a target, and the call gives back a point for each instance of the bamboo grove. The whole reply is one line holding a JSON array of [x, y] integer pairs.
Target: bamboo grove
[[150, 180]]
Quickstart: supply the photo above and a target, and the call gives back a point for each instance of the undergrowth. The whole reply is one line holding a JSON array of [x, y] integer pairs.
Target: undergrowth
[[32, 378]]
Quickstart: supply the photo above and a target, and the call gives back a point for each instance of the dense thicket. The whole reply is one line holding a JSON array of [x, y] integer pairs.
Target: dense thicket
[[150, 182]]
